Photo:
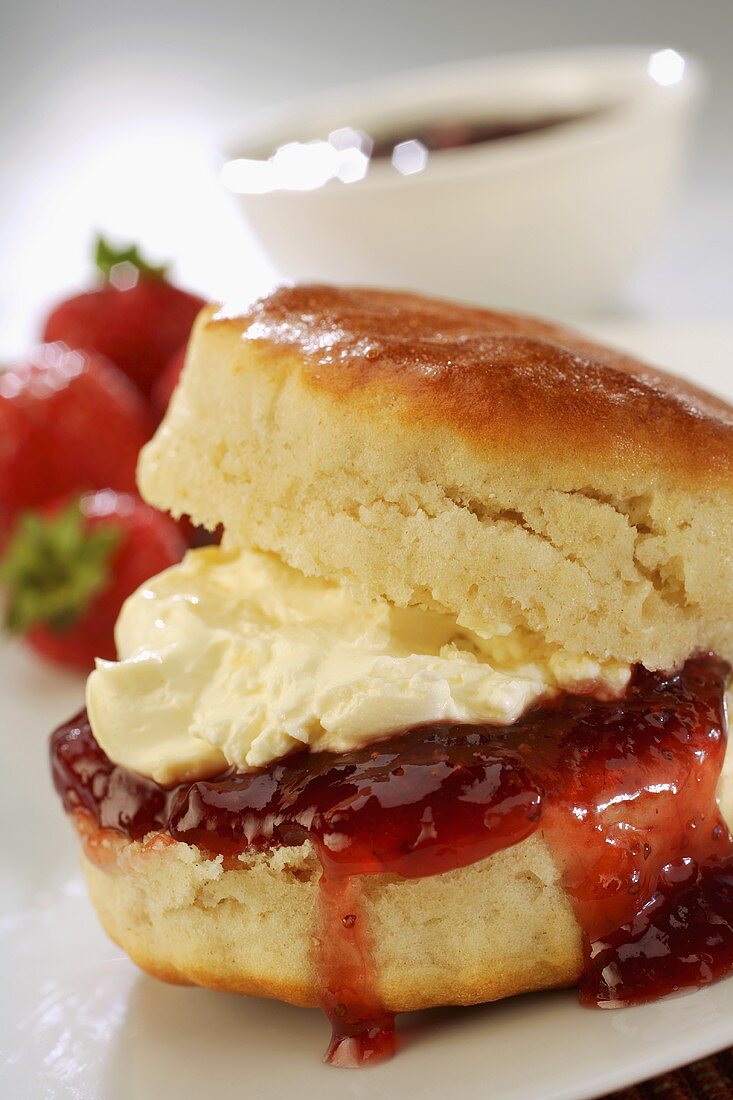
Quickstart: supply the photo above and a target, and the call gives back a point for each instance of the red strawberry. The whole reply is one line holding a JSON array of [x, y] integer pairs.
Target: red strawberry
[[138, 319], [69, 568], [69, 421], [167, 382]]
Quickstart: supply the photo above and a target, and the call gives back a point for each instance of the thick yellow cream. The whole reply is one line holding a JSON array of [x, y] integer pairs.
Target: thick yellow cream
[[235, 658]]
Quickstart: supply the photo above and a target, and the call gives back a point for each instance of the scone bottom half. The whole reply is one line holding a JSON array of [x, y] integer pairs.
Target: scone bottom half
[[375, 441]]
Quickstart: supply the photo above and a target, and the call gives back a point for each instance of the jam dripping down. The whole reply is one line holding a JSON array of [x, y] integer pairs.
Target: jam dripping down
[[362, 1032], [623, 791]]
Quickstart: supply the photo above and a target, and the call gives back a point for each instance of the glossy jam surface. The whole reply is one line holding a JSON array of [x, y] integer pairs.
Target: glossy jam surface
[[362, 1032], [623, 790], [681, 938]]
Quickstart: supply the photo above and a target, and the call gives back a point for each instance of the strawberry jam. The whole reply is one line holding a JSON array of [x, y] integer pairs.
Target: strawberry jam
[[623, 790]]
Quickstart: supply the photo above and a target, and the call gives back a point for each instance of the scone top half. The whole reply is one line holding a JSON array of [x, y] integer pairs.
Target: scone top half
[[482, 464]]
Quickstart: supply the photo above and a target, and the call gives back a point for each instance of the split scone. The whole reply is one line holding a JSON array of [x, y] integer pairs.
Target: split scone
[[443, 719]]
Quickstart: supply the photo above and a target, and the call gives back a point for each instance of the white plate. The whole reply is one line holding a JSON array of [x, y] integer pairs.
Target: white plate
[[78, 1021]]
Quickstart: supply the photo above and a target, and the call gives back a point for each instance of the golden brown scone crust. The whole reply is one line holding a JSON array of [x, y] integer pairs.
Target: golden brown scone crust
[[484, 464], [498, 927], [499, 380]]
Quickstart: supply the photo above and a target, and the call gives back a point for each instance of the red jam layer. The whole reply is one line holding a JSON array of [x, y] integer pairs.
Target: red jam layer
[[623, 790]]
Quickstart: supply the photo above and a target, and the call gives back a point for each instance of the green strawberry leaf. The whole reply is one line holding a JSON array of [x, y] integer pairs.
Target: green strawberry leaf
[[53, 568], [106, 257]]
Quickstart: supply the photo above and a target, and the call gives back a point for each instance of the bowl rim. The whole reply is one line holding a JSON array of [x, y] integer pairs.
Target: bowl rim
[[275, 125]]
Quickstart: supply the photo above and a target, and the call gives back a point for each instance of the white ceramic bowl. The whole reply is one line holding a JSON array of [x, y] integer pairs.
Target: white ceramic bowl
[[551, 221]]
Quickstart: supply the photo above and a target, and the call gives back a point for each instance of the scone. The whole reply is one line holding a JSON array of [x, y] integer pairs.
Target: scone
[[443, 720]]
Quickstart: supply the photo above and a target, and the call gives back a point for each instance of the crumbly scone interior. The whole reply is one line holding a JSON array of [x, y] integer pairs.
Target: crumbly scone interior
[[597, 558]]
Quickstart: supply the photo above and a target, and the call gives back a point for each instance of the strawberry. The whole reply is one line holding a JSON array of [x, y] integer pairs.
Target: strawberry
[[137, 319], [167, 382], [69, 420], [70, 567]]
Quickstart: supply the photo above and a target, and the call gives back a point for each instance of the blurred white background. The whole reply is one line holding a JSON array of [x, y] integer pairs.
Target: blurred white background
[[111, 116]]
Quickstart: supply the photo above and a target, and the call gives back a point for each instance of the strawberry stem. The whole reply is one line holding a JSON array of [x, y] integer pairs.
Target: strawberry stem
[[107, 257], [54, 567]]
